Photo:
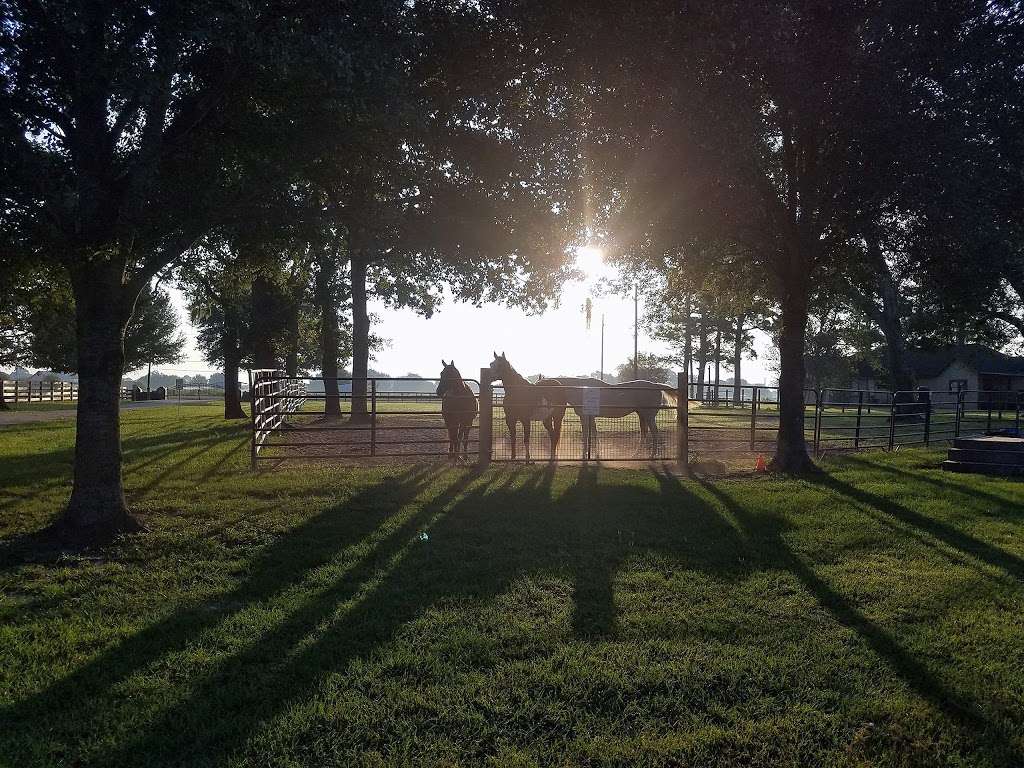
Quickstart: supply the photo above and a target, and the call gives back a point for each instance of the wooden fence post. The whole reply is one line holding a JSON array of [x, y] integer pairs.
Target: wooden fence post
[[755, 394], [486, 419], [683, 423], [818, 413], [860, 410], [892, 421], [927, 421], [252, 416], [373, 417]]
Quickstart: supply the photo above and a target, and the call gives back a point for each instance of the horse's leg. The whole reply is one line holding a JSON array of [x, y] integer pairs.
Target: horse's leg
[[643, 432], [511, 422], [465, 440], [654, 434], [549, 427], [526, 438], [556, 436]]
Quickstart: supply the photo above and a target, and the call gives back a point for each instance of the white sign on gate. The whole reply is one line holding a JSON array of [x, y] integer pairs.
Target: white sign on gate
[[592, 401]]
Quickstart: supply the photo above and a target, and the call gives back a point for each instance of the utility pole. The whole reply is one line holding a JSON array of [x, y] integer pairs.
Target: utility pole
[[636, 330], [602, 346], [149, 373]]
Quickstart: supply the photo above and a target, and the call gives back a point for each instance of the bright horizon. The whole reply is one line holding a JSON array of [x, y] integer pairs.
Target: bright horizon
[[553, 343]]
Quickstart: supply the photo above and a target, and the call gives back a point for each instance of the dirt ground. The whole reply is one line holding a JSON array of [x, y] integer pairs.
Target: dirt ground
[[423, 437]]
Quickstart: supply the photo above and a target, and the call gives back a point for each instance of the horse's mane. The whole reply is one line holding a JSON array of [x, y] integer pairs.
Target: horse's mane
[[519, 378]]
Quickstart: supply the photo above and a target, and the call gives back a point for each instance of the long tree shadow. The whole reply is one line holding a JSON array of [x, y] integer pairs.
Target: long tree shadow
[[945, 484], [466, 544], [48, 471], [944, 532], [312, 544], [766, 533]]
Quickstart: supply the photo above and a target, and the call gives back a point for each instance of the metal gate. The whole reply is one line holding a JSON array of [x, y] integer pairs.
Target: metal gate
[[385, 418]]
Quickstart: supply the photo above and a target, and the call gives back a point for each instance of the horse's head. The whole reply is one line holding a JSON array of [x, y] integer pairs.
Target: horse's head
[[450, 378], [500, 368]]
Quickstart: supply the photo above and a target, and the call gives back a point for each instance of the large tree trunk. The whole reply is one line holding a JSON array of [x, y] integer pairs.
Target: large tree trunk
[[291, 360], [718, 362], [264, 355], [702, 361], [737, 362], [687, 355], [97, 509], [901, 378], [232, 361], [791, 447], [327, 276], [360, 334]]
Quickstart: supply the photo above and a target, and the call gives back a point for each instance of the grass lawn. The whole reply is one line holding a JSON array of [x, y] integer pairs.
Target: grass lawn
[[57, 405], [872, 616]]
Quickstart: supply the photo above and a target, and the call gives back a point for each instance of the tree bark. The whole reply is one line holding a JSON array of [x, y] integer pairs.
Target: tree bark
[[702, 361], [718, 362], [97, 509], [890, 322], [360, 333], [264, 355], [327, 276], [687, 353], [232, 361], [791, 447], [291, 360], [737, 362]]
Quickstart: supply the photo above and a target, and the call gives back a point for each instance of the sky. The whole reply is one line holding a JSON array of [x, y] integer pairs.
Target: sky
[[553, 343]]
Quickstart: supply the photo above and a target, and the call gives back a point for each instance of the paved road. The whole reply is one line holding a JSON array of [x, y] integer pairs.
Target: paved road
[[8, 418]]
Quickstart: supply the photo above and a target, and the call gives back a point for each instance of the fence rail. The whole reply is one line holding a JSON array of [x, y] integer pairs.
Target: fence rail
[[402, 418], [377, 418], [38, 391]]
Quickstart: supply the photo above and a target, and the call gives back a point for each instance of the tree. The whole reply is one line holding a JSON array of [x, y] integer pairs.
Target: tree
[[152, 334], [748, 123], [650, 367], [127, 130], [219, 290]]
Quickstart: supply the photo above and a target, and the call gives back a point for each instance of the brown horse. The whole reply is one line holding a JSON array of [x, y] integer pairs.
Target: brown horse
[[458, 409], [525, 403], [644, 398]]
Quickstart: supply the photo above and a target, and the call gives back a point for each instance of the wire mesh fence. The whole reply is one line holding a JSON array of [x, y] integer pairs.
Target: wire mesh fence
[[632, 424]]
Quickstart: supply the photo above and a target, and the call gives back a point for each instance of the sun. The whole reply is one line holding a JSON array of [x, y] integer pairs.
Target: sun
[[590, 259]]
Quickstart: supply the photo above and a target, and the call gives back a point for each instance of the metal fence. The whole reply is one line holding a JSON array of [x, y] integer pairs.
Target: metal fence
[[383, 418], [401, 417]]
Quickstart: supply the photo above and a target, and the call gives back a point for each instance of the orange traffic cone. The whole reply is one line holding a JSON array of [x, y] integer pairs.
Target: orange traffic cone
[[759, 465]]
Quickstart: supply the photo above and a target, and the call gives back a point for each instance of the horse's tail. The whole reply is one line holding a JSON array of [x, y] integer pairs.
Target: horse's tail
[[669, 395]]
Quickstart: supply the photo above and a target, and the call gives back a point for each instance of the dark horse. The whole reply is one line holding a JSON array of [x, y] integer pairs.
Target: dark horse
[[525, 402], [458, 409]]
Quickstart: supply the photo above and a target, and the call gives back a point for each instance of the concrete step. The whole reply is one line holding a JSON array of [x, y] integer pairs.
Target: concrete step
[[990, 443], [984, 468], [987, 456]]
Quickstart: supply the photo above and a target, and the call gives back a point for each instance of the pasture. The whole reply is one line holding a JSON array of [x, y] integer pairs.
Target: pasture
[[418, 614]]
